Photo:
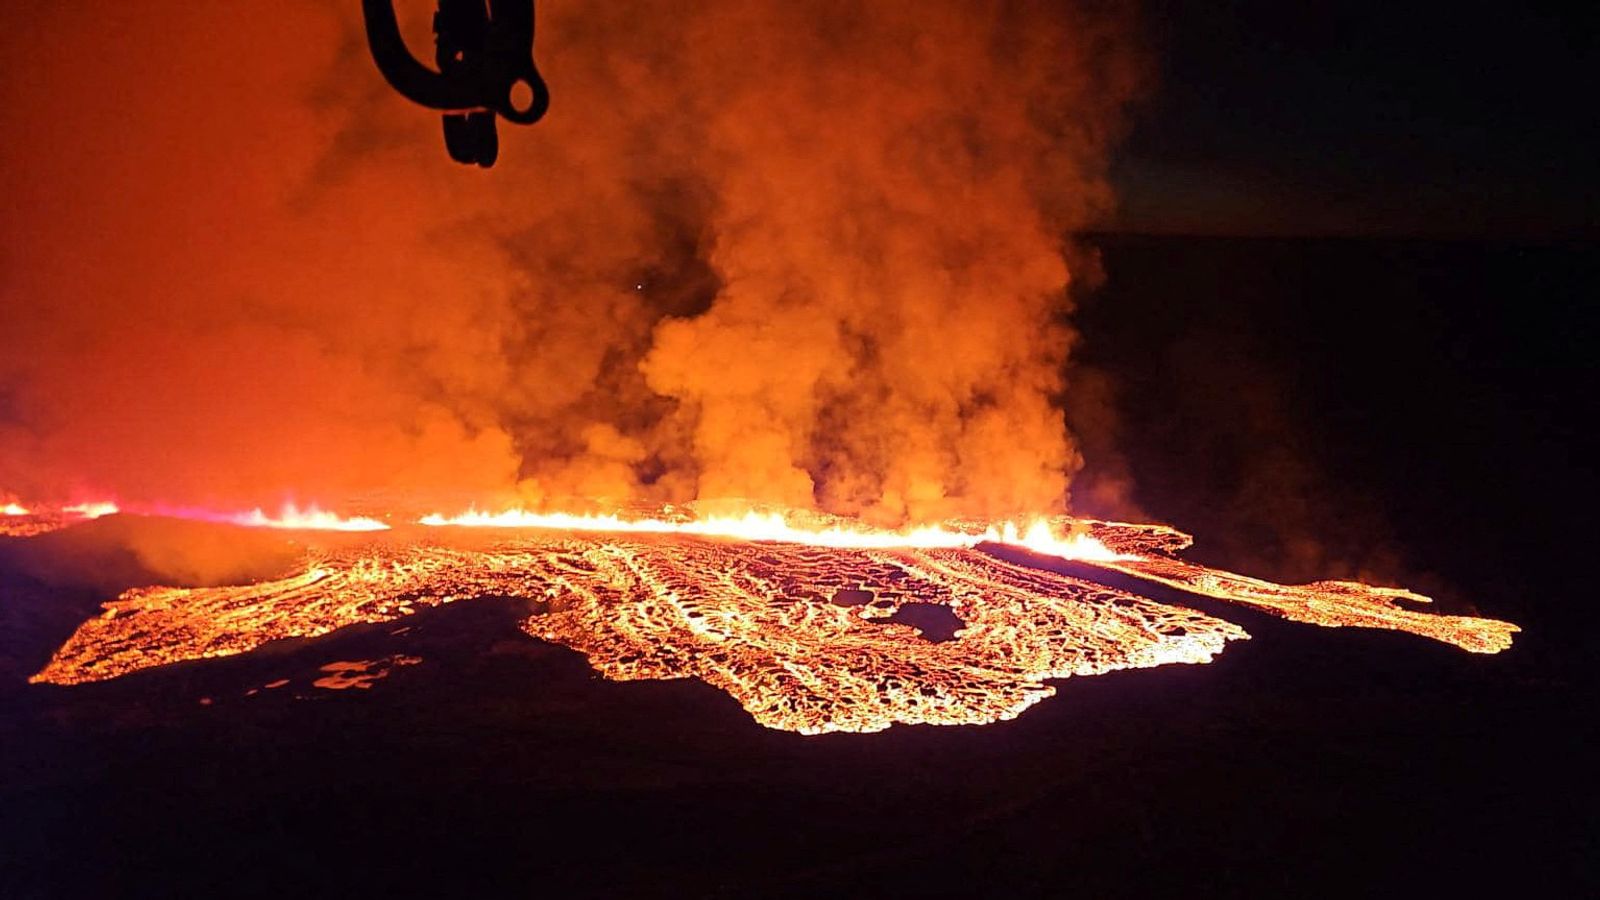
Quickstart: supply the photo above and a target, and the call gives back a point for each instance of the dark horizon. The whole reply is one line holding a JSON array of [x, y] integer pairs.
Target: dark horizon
[[1503, 240], [1361, 119]]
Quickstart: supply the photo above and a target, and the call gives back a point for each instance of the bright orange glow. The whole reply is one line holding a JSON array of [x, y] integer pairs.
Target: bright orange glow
[[93, 510], [26, 520], [867, 313], [17, 520], [753, 526], [289, 517], [309, 519]]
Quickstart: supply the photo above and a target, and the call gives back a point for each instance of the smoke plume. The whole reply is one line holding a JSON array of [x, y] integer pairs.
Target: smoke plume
[[810, 254]]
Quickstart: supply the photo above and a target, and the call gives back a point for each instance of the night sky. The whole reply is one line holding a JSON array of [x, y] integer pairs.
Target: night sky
[[1360, 118]]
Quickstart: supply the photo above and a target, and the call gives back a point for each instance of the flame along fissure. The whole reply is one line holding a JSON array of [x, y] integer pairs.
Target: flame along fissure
[[17, 520]]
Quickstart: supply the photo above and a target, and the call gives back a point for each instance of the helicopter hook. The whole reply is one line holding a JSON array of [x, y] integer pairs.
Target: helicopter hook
[[484, 53]]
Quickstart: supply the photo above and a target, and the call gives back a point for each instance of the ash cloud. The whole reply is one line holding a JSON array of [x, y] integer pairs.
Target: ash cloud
[[809, 254]]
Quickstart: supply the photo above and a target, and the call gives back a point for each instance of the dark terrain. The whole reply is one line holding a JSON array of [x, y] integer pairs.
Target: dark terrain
[[1413, 411]]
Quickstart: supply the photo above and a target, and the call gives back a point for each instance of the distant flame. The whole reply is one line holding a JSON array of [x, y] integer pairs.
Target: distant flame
[[92, 510], [753, 526], [290, 516], [40, 518], [311, 519]]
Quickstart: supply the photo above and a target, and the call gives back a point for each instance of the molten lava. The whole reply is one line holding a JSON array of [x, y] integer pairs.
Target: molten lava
[[796, 623], [1148, 552]]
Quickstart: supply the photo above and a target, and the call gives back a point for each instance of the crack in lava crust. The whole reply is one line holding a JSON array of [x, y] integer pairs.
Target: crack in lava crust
[[756, 620]]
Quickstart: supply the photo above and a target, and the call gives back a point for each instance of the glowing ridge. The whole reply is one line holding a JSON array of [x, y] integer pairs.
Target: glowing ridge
[[92, 510], [19, 521], [753, 526], [309, 519], [289, 517]]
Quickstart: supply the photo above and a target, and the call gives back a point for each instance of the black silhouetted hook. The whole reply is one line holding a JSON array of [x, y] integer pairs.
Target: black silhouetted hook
[[484, 50]]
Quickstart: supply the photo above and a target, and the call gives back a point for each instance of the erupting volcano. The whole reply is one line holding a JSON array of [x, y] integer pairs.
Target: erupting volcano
[[771, 471], [818, 257]]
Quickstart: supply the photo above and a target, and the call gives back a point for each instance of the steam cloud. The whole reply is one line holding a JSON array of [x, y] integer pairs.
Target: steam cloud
[[810, 254]]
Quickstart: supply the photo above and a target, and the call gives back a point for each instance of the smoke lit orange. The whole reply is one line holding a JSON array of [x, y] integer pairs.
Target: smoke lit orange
[[812, 255]]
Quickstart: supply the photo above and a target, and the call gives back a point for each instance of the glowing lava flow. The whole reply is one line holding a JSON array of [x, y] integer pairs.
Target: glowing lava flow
[[763, 622], [800, 632], [1144, 551], [1148, 552]]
